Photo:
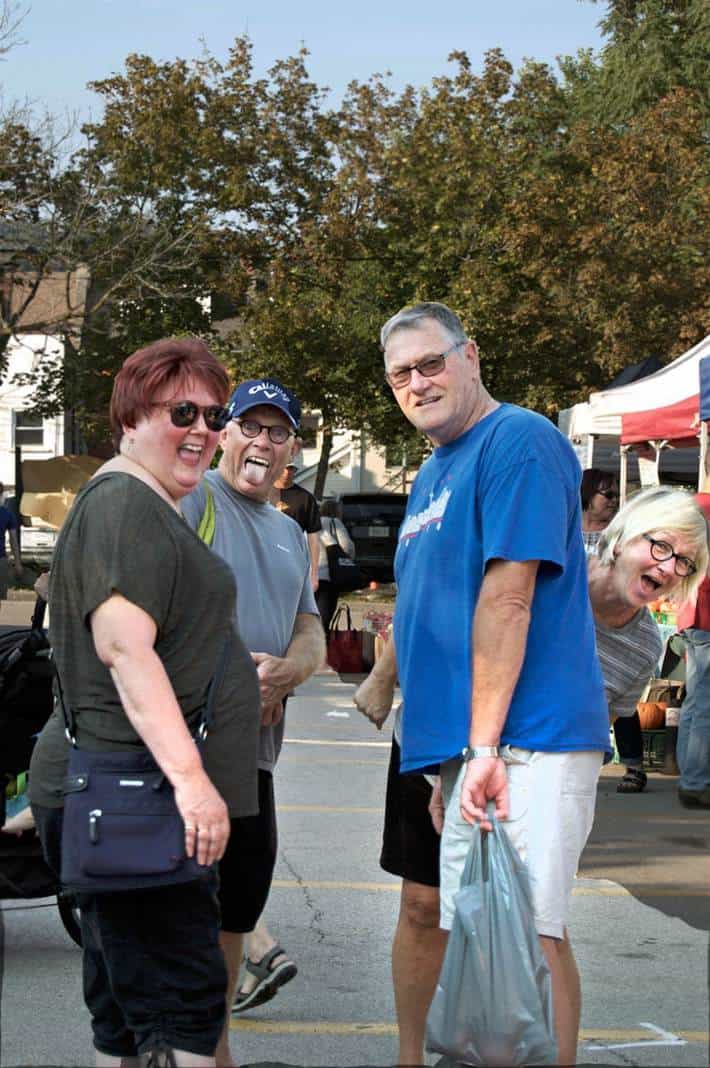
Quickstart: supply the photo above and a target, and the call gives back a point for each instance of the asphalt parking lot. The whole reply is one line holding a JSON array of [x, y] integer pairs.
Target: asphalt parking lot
[[639, 921]]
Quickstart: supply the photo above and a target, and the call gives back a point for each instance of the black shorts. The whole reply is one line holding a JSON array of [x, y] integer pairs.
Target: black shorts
[[410, 845], [247, 866], [154, 973]]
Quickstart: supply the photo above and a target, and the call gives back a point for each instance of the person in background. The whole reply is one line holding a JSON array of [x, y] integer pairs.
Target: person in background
[[600, 500], [9, 524], [693, 746], [656, 546], [141, 614], [302, 506], [332, 532], [410, 850]]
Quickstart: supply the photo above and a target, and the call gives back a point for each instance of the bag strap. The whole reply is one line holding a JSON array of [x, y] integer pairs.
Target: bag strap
[[204, 726], [206, 527], [345, 610], [37, 621]]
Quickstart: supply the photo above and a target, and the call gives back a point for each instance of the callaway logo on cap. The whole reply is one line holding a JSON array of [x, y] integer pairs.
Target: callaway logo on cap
[[265, 391]]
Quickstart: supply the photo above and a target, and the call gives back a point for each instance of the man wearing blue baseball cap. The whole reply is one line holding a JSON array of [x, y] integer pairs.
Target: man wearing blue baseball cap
[[278, 620]]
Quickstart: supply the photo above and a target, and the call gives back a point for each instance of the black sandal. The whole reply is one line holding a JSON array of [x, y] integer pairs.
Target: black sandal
[[270, 979], [633, 782]]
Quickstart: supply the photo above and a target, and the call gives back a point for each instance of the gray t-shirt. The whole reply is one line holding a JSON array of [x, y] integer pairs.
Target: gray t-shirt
[[121, 536], [628, 656], [268, 555]]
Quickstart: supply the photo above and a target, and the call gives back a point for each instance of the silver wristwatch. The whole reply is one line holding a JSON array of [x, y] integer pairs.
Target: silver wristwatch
[[472, 752]]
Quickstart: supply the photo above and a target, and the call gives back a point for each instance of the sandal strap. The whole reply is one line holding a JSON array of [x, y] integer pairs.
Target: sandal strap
[[262, 968]]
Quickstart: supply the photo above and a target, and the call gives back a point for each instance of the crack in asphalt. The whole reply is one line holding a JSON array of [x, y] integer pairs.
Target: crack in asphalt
[[315, 923]]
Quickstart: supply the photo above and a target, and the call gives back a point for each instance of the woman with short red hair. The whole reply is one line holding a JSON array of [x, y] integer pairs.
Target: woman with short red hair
[[141, 612]]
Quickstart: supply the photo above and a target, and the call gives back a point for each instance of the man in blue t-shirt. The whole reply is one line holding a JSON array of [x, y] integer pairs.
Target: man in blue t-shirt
[[8, 525], [494, 637]]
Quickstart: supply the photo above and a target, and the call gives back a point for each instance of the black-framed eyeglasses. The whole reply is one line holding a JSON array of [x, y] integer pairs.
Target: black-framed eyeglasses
[[610, 494], [278, 434], [186, 413], [661, 550], [429, 366]]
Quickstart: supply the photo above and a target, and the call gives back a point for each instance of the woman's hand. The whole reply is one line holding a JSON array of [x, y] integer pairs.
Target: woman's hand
[[205, 816]]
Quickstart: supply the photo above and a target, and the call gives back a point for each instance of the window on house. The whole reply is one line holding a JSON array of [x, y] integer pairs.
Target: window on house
[[28, 427]]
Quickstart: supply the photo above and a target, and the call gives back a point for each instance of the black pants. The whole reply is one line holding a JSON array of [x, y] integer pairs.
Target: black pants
[[627, 731], [327, 601]]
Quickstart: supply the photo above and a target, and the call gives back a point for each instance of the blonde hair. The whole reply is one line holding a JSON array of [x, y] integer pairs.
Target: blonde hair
[[660, 509]]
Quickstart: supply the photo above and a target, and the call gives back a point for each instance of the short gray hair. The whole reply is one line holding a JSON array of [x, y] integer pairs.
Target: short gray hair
[[660, 508], [413, 317]]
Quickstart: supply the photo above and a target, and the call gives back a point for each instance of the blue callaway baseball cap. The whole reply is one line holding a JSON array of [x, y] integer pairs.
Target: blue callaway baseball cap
[[265, 391]]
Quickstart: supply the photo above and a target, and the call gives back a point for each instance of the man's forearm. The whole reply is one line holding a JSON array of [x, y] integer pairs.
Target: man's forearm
[[314, 551], [306, 650], [385, 669], [499, 638]]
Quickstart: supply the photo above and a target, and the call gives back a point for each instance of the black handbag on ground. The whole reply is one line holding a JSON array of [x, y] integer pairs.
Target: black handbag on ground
[[121, 828], [344, 572]]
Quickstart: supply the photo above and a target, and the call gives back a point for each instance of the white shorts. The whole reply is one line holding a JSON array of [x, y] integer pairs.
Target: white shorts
[[551, 812]]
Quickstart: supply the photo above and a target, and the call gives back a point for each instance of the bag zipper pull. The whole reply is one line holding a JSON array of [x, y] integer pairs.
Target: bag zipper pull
[[94, 817]]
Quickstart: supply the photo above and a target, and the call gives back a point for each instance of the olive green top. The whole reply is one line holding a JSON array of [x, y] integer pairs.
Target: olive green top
[[122, 537]]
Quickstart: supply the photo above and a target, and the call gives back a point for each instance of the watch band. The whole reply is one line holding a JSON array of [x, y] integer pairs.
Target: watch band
[[473, 752]]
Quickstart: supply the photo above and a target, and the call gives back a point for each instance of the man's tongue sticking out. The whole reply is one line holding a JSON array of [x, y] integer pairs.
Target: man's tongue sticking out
[[255, 470]]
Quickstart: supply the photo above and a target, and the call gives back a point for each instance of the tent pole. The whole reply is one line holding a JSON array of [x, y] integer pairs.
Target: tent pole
[[622, 474], [703, 455], [590, 450]]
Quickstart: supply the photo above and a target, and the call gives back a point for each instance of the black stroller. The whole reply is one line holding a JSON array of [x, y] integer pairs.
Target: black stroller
[[25, 706]]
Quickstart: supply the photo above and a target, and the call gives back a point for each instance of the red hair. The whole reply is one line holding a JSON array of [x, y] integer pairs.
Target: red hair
[[172, 361]]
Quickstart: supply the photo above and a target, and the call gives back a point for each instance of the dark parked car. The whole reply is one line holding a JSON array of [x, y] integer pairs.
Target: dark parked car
[[373, 521]]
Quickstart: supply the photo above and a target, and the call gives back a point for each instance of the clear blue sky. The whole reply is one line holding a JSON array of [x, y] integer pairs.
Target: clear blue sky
[[71, 42]]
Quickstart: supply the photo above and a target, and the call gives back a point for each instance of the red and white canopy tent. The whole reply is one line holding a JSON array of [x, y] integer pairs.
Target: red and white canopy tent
[[670, 425], [661, 409]]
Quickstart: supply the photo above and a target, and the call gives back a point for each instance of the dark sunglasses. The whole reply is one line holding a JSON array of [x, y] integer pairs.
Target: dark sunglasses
[[186, 413], [610, 494], [428, 367]]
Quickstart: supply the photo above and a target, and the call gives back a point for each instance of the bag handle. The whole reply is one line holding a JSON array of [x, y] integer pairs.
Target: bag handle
[[203, 727], [344, 609]]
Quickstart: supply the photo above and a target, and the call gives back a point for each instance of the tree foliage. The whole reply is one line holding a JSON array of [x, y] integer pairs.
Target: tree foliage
[[561, 213]]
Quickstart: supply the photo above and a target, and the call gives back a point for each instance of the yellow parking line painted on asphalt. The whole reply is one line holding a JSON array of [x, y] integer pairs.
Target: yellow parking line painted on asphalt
[[330, 741], [578, 891], [330, 808], [346, 1027]]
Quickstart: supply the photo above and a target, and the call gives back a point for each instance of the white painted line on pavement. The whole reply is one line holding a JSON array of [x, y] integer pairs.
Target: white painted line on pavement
[[667, 1039]]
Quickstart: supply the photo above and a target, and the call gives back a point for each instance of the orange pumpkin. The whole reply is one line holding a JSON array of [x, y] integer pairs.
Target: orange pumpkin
[[652, 715]]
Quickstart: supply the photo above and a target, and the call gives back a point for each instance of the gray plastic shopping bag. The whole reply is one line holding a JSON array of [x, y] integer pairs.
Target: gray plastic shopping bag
[[493, 1001]]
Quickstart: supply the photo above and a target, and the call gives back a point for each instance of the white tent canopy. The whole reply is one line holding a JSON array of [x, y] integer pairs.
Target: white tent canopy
[[601, 415]]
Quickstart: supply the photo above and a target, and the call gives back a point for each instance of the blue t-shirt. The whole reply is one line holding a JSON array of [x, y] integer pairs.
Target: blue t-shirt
[[507, 489], [7, 522]]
